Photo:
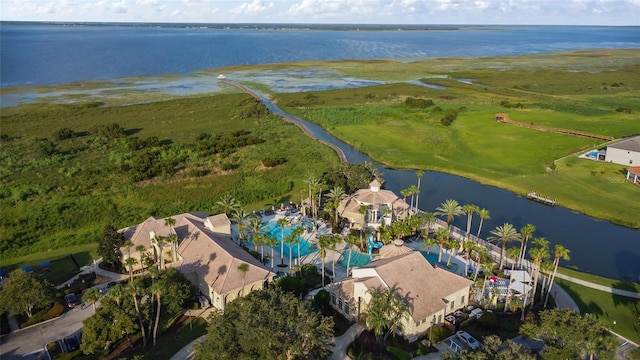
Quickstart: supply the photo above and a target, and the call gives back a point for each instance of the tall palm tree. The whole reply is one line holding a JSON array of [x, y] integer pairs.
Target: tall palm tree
[[504, 234], [226, 204], [116, 293], [428, 219], [134, 288], [441, 235], [363, 211], [335, 240], [470, 209], [527, 232], [559, 252], [297, 232], [291, 240], [351, 241], [254, 226], [413, 191], [158, 289], [452, 244], [449, 208], [313, 183], [513, 253], [92, 295], [419, 174], [173, 239], [467, 247], [484, 214], [238, 216], [428, 243], [144, 256], [129, 263], [385, 312], [336, 195], [324, 242], [160, 241], [272, 242], [243, 268], [282, 222], [539, 253], [483, 260]]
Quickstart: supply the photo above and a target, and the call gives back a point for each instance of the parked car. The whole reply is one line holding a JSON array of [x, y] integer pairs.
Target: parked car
[[72, 300], [468, 339]]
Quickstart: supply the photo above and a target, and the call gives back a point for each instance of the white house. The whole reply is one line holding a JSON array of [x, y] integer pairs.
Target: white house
[[203, 251], [624, 152], [429, 292]]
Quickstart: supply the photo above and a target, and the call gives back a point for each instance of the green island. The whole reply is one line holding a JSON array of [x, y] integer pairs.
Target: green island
[[70, 169]]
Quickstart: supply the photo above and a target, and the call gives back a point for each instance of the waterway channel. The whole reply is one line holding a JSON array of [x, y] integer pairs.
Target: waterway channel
[[597, 246]]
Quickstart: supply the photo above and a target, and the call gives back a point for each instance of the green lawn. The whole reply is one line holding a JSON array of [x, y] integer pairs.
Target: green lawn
[[616, 284], [617, 313]]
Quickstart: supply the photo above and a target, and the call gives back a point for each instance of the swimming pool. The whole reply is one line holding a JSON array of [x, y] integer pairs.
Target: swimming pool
[[433, 259], [357, 258], [274, 230]]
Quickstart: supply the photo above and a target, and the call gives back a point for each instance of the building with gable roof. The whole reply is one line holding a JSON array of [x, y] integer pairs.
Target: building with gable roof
[[624, 152], [203, 251], [382, 207], [429, 292]]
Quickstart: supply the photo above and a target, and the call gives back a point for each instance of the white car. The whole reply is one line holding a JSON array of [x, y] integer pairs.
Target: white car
[[468, 339]]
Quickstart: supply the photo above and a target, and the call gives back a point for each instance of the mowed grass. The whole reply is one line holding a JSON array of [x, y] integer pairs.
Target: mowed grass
[[582, 96], [616, 312], [616, 284]]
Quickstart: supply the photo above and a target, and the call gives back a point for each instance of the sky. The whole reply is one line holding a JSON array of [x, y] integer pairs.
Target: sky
[[471, 12]]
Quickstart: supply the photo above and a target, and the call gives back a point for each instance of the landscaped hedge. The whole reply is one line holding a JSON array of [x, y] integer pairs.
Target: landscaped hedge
[[55, 311]]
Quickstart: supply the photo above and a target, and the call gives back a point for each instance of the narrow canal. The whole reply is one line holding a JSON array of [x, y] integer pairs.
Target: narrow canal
[[598, 247]]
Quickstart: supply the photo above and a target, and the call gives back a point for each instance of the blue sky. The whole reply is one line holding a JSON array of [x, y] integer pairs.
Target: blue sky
[[543, 12]]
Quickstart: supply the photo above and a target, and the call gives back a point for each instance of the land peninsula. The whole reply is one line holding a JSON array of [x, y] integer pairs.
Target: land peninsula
[[69, 169]]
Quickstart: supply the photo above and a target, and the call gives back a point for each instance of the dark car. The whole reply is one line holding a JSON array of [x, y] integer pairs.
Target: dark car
[[71, 343], [71, 300]]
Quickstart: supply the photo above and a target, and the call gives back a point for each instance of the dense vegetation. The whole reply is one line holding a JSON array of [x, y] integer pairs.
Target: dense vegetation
[[69, 170], [453, 128]]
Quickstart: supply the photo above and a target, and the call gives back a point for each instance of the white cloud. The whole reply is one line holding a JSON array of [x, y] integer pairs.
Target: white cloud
[[256, 6]]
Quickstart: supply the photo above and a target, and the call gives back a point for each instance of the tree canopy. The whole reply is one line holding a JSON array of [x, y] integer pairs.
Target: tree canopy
[[568, 335], [267, 324], [23, 292], [109, 243]]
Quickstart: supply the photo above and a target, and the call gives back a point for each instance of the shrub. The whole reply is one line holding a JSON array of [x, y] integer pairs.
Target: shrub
[[418, 103], [354, 350], [55, 311], [438, 333], [273, 161], [399, 353], [227, 166], [321, 300], [110, 131], [488, 321], [64, 133], [625, 110]]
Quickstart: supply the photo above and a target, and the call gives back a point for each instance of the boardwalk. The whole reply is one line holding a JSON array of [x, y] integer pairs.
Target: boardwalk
[[504, 118]]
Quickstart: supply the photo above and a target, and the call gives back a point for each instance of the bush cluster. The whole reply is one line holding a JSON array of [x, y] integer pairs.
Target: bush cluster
[[273, 161], [449, 116], [508, 104], [488, 321], [418, 103], [56, 310]]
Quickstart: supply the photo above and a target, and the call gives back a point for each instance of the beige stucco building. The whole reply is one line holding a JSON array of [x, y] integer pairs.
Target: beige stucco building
[[624, 152], [204, 252], [429, 292]]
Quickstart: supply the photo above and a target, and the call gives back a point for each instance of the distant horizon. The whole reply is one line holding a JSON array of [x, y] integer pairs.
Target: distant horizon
[[400, 12]]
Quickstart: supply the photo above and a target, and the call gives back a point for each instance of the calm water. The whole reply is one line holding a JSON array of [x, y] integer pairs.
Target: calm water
[[51, 55]]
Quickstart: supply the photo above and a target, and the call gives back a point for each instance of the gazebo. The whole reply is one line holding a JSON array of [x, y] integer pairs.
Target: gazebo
[[395, 248], [381, 207]]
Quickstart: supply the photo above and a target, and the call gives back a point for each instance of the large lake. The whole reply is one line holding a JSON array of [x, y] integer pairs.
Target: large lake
[[42, 54]]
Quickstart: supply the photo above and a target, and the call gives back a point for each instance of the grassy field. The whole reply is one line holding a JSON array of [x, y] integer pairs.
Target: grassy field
[[617, 313], [570, 92], [52, 201], [616, 284]]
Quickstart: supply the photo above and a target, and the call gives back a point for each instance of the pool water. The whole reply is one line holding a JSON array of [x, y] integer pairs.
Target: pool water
[[272, 228], [357, 258], [433, 259]]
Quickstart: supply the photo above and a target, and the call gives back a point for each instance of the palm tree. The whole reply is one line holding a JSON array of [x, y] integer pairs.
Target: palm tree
[[469, 209], [527, 232], [243, 268], [336, 195], [255, 226], [413, 191], [419, 174], [128, 245], [428, 219], [513, 253], [238, 215], [272, 242], [351, 240], [135, 289], [226, 204], [158, 289], [282, 222], [538, 254], [92, 295], [441, 235], [504, 234], [335, 240], [452, 244], [449, 208], [291, 240], [116, 293], [130, 262], [559, 252], [144, 256], [324, 241], [467, 246], [297, 232], [428, 243], [385, 312], [313, 184], [363, 211], [173, 239], [484, 214], [482, 260]]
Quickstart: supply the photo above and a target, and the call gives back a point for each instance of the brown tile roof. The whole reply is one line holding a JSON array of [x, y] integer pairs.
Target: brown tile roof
[[421, 285], [634, 170]]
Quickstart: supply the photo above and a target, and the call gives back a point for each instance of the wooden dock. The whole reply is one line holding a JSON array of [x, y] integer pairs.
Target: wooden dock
[[504, 118], [532, 195]]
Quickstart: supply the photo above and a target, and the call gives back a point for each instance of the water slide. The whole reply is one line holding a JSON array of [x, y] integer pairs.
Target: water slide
[[373, 244]]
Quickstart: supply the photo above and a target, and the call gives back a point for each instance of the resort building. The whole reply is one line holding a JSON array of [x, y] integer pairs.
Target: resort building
[[624, 152], [429, 292], [373, 207], [200, 247]]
